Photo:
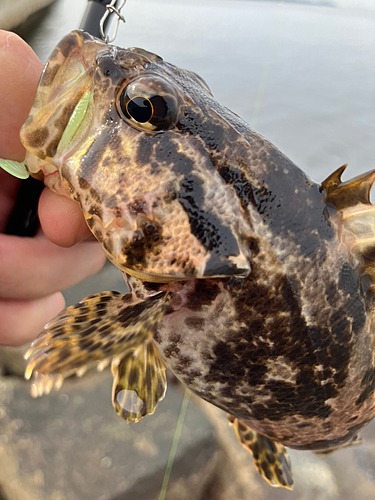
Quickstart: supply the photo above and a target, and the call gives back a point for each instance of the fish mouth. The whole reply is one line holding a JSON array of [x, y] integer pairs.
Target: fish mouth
[[64, 101], [79, 120]]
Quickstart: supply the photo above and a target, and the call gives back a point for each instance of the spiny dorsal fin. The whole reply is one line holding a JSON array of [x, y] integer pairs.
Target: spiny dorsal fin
[[347, 194], [334, 179]]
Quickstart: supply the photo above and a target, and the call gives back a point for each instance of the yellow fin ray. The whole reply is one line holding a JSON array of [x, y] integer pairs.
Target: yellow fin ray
[[270, 458], [353, 217], [139, 383], [347, 194], [90, 333]]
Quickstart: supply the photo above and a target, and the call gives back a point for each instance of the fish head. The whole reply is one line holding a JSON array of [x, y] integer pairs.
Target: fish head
[[134, 141]]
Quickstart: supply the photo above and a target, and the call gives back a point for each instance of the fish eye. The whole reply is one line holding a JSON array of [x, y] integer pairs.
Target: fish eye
[[140, 109], [149, 103]]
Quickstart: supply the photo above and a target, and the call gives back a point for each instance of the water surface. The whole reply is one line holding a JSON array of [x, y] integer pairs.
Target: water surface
[[303, 74]]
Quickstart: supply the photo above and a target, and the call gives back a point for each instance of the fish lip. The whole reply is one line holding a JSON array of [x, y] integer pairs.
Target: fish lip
[[153, 278]]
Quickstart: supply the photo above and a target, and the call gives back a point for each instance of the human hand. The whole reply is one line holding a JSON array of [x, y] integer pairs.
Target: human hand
[[33, 270]]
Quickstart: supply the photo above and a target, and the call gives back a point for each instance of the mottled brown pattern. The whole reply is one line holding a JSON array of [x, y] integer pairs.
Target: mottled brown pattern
[[99, 328], [38, 137], [196, 323], [271, 459], [49, 74], [132, 378], [269, 277]]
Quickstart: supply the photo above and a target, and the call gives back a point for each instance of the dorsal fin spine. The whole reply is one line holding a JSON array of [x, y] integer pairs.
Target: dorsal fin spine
[[347, 194], [354, 220]]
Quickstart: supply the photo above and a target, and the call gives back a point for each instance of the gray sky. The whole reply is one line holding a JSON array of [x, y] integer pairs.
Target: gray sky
[[363, 4], [353, 4]]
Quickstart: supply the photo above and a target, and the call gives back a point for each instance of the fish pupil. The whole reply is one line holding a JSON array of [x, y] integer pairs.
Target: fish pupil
[[140, 109]]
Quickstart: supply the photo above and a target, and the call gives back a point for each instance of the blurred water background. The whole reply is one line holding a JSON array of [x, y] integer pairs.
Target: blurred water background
[[302, 73]]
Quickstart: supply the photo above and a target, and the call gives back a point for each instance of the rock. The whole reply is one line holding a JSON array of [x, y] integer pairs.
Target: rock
[[12, 361], [72, 446]]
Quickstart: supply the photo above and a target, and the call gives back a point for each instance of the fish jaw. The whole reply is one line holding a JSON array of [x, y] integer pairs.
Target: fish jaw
[[65, 79]]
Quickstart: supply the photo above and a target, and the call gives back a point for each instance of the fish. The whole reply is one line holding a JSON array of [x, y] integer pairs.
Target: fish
[[252, 283]]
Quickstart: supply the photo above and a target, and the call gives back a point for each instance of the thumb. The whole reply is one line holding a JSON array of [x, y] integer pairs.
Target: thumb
[[19, 76]]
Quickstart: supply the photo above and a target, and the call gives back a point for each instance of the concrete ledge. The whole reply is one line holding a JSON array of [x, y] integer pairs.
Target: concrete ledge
[[72, 446]]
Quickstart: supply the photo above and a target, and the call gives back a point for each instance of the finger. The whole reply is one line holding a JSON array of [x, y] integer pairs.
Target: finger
[[61, 219], [34, 267], [19, 76], [22, 321]]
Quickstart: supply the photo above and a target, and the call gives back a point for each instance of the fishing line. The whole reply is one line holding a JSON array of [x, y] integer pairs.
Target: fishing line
[[175, 441]]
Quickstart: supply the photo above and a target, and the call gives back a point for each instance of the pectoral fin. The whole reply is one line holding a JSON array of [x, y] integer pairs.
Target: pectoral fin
[[91, 333], [270, 458], [139, 383]]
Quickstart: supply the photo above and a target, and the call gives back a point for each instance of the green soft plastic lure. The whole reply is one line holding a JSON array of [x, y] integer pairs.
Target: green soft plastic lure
[[15, 168], [75, 121], [20, 170]]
